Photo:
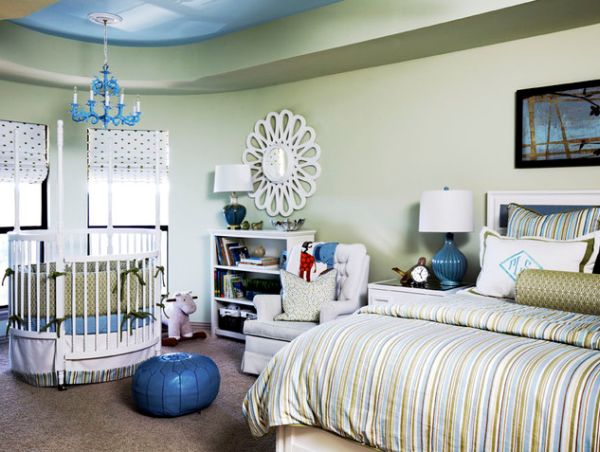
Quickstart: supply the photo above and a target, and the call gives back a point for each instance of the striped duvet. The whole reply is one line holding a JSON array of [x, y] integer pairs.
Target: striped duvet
[[463, 373]]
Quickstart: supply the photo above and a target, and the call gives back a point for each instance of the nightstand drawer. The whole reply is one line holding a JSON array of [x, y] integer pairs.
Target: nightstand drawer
[[387, 293], [380, 298], [387, 298]]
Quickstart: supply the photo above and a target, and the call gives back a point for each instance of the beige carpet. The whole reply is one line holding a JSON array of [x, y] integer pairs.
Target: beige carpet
[[102, 417]]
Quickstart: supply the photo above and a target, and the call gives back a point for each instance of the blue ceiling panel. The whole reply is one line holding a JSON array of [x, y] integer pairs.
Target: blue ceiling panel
[[161, 22]]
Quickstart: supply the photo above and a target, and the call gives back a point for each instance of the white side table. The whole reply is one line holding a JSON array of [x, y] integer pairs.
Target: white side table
[[391, 291]]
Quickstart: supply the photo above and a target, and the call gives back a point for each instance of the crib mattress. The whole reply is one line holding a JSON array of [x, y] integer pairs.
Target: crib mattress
[[103, 324], [94, 283]]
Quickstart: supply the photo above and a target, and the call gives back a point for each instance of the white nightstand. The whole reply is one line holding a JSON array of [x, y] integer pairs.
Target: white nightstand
[[391, 291]]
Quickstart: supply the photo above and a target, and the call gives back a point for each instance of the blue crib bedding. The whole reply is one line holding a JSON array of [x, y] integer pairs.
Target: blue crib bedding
[[103, 323]]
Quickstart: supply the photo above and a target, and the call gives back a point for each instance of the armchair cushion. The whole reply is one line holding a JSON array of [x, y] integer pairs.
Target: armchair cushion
[[333, 309], [267, 307], [283, 331], [302, 300]]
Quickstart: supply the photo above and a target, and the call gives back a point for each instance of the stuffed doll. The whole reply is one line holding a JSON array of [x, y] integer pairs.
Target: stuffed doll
[[307, 262], [177, 318]]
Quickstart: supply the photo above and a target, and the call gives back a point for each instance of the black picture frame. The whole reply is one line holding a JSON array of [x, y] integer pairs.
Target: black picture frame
[[590, 111]]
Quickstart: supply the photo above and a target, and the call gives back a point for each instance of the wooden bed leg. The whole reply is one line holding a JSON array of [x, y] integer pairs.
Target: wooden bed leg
[[61, 381]]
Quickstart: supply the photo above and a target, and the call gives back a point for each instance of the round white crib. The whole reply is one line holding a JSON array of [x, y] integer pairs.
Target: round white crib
[[85, 306], [87, 313]]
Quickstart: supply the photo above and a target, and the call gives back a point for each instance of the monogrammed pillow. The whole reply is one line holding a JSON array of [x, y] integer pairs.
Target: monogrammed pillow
[[301, 300], [503, 258]]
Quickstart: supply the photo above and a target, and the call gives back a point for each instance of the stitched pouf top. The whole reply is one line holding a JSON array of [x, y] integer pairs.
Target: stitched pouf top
[[175, 384]]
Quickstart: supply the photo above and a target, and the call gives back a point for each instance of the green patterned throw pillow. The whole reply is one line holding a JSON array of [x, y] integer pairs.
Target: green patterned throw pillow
[[302, 300], [564, 291], [556, 226]]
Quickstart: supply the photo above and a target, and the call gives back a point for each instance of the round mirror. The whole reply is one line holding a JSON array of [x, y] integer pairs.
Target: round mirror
[[276, 163], [284, 159]]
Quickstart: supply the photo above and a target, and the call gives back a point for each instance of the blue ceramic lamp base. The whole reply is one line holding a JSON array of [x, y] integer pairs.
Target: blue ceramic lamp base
[[234, 215], [449, 264]]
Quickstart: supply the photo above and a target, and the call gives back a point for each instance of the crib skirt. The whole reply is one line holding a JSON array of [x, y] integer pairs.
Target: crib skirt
[[33, 361]]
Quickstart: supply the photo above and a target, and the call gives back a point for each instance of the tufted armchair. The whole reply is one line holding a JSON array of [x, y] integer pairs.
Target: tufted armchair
[[266, 336]]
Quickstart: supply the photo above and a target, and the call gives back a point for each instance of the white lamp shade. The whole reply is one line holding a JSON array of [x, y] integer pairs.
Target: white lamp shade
[[232, 178], [446, 211]]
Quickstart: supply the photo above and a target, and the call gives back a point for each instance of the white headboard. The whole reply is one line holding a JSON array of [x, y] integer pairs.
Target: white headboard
[[562, 200]]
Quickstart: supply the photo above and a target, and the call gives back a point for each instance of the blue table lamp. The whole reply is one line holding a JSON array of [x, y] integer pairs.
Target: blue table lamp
[[447, 211], [233, 179]]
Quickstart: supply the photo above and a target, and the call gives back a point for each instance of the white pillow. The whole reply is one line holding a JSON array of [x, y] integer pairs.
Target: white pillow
[[503, 258], [301, 300]]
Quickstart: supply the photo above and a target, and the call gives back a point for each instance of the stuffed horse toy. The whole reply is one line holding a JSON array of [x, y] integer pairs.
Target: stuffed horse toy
[[177, 319]]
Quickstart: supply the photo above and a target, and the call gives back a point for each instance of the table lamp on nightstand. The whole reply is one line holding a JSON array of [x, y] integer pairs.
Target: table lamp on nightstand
[[233, 179], [447, 211]]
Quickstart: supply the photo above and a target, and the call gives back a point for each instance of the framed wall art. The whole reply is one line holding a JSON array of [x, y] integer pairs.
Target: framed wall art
[[558, 126]]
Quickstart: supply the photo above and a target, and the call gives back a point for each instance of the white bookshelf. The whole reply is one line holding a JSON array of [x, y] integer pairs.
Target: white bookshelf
[[274, 243]]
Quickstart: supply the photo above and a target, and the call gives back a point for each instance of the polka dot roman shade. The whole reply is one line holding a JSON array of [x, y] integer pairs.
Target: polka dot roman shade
[[133, 155], [32, 142]]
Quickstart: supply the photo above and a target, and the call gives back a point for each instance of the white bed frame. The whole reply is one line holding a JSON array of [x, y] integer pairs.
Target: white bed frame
[[313, 439], [496, 199], [292, 438]]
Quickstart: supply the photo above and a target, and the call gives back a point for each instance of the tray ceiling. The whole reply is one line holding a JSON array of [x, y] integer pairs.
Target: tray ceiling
[[161, 22], [343, 36]]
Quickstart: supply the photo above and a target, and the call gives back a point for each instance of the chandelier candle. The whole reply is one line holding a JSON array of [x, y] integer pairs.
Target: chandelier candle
[[104, 86]]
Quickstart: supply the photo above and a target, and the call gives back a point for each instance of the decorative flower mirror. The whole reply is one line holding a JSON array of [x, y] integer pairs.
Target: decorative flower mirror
[[283, 157]]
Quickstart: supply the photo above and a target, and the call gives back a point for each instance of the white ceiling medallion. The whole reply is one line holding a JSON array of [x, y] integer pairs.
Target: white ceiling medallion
[[283, 157]]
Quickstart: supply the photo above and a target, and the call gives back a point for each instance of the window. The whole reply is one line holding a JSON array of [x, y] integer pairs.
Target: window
[[33, 215], [133, 206]]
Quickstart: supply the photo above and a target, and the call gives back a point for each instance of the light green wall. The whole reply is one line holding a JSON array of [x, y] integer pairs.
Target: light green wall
[[386, 134]]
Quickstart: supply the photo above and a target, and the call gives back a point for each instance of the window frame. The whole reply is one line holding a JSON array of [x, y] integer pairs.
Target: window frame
[[162, 227], [43, 225], [44, 214]]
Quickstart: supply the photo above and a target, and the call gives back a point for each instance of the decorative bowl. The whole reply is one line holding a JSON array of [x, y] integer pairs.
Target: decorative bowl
[[288, 225]]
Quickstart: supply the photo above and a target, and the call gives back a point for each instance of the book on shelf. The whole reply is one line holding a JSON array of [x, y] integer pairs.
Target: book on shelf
[[237, 288], [227, 243], [230, 251], [228, 285], [238, 253], [258, 267], [260, 261]]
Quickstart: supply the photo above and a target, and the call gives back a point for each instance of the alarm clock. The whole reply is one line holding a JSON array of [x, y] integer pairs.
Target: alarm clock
[[419, 274]]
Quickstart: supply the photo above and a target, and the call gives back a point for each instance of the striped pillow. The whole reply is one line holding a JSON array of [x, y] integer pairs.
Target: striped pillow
[[524, 222]]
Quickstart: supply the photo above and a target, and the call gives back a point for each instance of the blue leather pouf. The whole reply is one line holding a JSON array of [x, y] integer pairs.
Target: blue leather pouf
[[175, 384]]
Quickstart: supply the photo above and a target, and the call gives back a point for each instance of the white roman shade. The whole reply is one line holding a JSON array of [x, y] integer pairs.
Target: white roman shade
[[134, 155], [32, 142]]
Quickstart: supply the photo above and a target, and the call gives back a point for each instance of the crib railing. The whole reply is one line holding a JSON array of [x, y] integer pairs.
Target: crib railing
[[101, 297], [101, 242]]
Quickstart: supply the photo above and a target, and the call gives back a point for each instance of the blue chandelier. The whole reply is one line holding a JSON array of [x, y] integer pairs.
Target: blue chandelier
[[106, 87]]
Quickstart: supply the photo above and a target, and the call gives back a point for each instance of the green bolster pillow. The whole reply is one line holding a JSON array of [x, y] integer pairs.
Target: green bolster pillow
[[564, 291]]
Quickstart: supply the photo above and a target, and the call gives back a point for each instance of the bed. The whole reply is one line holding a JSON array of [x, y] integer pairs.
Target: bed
[[466, 373]]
